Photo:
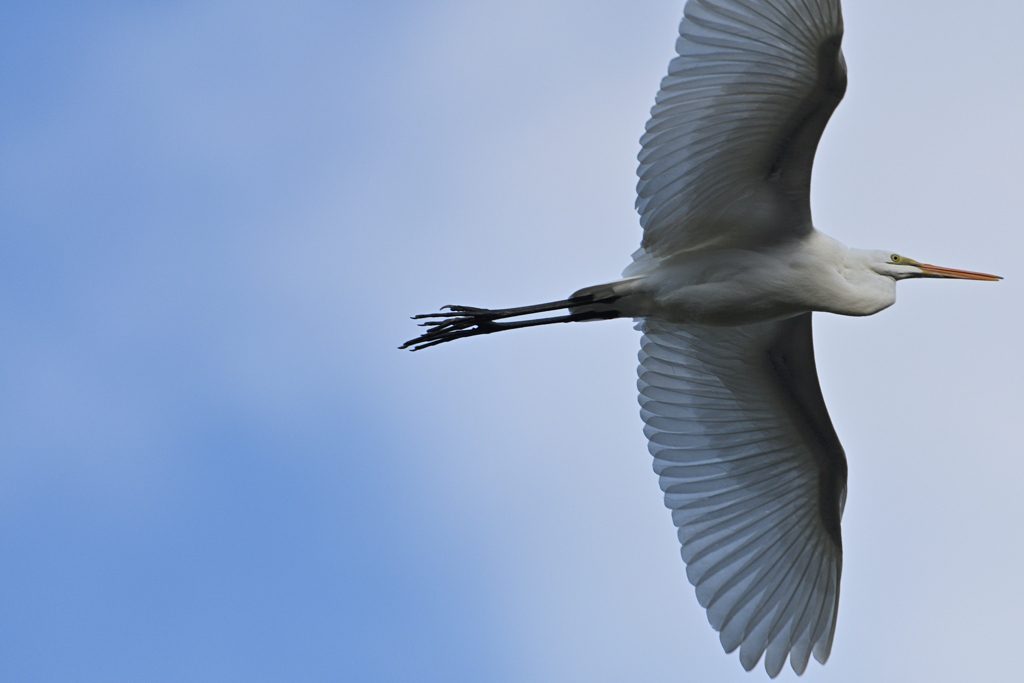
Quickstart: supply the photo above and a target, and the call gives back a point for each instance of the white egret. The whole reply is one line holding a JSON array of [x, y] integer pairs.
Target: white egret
[[729, 272]]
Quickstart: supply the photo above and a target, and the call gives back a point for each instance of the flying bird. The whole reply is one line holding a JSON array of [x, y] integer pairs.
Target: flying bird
[[727, 277]]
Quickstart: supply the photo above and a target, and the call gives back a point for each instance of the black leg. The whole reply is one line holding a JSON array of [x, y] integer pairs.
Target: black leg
[[456, 322]]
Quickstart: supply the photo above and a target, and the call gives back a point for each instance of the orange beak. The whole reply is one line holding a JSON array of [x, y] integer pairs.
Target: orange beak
[[938, 271]]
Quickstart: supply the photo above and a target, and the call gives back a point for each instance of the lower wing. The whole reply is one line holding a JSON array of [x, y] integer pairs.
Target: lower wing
[[755, 478]]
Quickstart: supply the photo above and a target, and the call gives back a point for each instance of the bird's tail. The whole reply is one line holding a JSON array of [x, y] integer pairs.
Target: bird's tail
[[456, 322]]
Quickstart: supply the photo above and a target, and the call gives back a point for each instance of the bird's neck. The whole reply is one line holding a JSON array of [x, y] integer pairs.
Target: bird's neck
[[858, 289]]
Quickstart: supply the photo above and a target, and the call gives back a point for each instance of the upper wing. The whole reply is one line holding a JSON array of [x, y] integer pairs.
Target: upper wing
[[726, 159], [755, 477]]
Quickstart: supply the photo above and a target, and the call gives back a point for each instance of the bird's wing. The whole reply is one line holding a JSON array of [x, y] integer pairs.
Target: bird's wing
[[755, 477], [726, 159]]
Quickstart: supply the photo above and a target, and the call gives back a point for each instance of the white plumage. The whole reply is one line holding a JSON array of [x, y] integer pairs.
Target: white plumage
[[729, 272]]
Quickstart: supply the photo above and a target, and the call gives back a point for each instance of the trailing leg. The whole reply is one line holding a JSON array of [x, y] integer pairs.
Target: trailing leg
[[455, 322]]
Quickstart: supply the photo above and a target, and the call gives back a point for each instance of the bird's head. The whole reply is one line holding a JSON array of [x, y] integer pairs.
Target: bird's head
[[900, 268]]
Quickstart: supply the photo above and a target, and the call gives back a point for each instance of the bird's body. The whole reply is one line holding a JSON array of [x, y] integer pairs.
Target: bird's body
[[733, 286], [724, 285]]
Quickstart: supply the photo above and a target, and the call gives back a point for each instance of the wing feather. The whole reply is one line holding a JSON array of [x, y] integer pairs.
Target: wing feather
[[726, 157], [751, 470]]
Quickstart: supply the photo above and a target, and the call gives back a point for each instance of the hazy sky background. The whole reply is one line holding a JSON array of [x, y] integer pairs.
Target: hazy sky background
[[215, 218]]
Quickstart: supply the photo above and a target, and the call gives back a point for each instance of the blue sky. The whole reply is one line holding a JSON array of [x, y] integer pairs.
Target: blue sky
[[215, 220]]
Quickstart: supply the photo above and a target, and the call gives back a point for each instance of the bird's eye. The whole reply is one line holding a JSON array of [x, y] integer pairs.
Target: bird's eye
[[895, 258]]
